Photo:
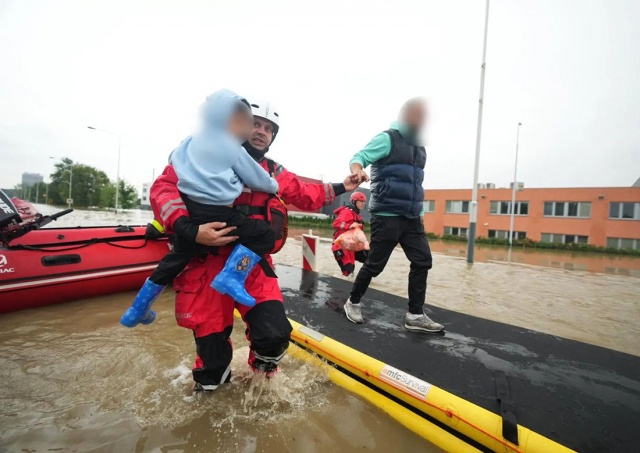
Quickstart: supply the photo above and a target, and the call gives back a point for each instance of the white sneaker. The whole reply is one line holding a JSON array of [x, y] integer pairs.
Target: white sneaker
[[226, 378], [421, 323], [204, 387], [353, 312]]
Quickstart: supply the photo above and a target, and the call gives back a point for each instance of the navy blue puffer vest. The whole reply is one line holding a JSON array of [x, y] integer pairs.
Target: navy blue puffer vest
[[396, 180]]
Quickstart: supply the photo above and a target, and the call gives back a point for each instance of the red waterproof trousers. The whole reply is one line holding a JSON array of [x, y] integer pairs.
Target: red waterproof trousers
[[208, 313], [346, 259]]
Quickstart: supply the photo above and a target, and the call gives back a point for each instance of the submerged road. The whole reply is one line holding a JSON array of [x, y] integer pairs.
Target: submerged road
[[73, 379], [580, 395]]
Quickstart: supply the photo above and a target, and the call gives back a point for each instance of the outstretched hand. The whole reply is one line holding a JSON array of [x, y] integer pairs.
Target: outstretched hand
[[353, 181], [214, 234], [361, 175]]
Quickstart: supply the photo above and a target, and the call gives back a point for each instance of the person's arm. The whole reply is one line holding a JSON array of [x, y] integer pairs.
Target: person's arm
[[253, 175], [378, 148], [168, 207], [165, 199], [307, 196]]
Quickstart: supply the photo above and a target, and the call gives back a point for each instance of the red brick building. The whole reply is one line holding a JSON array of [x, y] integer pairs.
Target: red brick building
[[601, 216]]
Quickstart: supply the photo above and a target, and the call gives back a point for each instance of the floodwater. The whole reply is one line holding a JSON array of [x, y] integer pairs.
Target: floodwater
[[74, 380], [584, 305], [559, 259]]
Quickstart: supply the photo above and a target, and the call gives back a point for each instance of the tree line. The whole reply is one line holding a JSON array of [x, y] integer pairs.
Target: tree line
[[90, 187]]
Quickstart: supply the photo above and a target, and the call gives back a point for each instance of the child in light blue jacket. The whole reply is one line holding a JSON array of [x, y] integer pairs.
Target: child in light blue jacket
[[213, 168]]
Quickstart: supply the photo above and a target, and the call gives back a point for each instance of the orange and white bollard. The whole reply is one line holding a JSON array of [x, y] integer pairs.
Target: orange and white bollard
[[309, 248]]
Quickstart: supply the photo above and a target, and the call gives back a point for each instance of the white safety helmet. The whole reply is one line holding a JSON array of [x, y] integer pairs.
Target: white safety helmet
[[266, 110]]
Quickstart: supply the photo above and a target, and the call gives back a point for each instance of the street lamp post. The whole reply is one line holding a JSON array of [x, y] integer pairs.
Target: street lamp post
[[70, 200], [473, 211], [513, 190], [118, 170]]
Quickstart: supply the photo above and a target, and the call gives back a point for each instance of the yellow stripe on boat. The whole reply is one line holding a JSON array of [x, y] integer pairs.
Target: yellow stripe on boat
[[476, 423], [434, 434]]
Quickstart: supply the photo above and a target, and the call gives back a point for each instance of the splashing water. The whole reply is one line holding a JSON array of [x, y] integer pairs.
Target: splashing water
[[74, 380]]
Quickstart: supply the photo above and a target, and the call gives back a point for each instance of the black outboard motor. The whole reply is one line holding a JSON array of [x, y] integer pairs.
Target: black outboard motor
[[12, 226], [9, 216]]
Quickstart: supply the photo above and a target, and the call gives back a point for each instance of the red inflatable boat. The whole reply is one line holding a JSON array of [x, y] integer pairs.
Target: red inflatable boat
[[47, 266]]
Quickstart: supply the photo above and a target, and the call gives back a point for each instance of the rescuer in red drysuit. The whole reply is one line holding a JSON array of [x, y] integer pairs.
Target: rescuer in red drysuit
[[348, 217], [204, 310]]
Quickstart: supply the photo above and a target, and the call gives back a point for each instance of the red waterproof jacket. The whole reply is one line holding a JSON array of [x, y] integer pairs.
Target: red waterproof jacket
[[198, 306], [168, 206], [345, 217]]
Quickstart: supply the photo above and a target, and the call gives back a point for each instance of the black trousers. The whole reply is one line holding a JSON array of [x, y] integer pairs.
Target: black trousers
[[268, 331], [348, 268], [386, 234], [256, 235]]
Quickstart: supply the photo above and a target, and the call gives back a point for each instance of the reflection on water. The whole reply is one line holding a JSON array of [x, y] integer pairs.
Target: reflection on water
[[559, 259]]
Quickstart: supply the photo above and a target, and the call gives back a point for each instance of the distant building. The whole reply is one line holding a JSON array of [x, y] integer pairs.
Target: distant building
[[601, 216], [344, 200], [145, 204], [637, 183], [31, 179]]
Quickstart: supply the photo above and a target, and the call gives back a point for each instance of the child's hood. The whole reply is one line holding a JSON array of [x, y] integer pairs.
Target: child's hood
[[213, 135], [219, 106]]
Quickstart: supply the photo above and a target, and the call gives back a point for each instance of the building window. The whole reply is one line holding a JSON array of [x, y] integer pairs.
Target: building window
[[630, 211], [455, 231], [504, 234], [622, 243], [429, 205], [144, 198], [564, 238], [144, 190], [457, 207], [567, 209], [504, 207]]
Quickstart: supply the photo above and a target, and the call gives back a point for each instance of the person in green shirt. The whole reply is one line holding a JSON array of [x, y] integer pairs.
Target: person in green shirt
[[397, 161]]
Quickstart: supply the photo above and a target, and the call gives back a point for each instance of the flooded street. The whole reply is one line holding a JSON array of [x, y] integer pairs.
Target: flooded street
[[75, 380], [488, 121], [584, 305]]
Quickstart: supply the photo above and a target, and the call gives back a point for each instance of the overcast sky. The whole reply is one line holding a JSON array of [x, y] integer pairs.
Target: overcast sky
[[338, 71]]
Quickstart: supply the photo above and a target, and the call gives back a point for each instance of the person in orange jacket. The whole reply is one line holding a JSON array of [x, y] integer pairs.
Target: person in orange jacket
[[208, 313], [348, 217]]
